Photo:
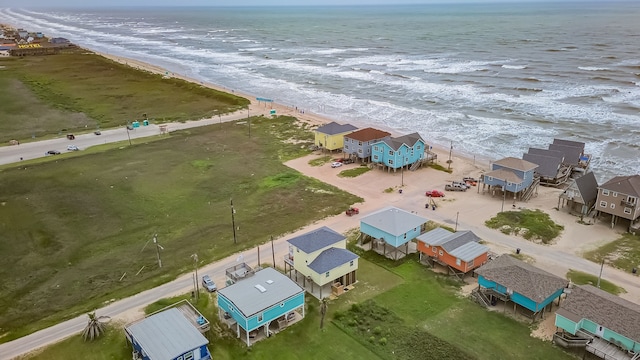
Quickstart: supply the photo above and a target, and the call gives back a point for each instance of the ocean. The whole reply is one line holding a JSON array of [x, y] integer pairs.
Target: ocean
[[491, 80]]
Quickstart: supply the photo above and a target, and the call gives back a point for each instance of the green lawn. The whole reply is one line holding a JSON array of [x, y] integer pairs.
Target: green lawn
[[581, 278], [623, 253], [74, 226], [80, 91], [354, 172]]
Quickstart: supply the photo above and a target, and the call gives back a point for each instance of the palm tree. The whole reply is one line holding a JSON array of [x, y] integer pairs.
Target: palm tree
[[95, 326]]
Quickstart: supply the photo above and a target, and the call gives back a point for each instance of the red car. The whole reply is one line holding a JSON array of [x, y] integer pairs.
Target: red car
[[435, 193]]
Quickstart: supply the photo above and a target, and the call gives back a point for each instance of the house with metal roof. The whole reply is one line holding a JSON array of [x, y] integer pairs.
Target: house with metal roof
[[358, 143], [331, 136], [580, 196], [618, 198], [391, 228], [167, 335], [604, 319], [399, 152], [512, 175], [511, 280], [320, 260], [460, 252], [268, 300]]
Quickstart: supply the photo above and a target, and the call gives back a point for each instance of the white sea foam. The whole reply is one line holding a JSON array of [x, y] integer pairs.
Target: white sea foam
[[592, 68], [514, 67]]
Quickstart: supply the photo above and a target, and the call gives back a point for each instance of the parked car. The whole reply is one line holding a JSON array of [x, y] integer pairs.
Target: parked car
[[338, 160], [352, 211], [97, 132], [336, 164], [460, 184], [72, 148], [435, 193], [470, 181], [348, 161], [208, 284], [71, 136], [452, 187], [52, 152]]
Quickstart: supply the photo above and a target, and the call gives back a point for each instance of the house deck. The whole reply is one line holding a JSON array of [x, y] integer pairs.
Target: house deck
[[608, 351]]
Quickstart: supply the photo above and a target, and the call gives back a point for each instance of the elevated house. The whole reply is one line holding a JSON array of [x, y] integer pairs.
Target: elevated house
[[551, 169], [321, 258], [581, 194], [391, 228], [331, 136], [460, 252], [268, 300], [609, 324], [511, 280], [358, 143], [618, 198], [399, 152], [511, 175], [167, 335]]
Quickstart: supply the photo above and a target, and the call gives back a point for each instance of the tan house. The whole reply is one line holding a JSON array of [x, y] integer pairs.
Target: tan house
[[618, 197], [319, 259]]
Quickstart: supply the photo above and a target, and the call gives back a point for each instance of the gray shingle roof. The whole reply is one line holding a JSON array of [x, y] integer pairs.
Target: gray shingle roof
[[571, 153], [334, 128], [393, 220], [462, 244], [588, 187], [546, 152], [576, 144], [331, 259], [605, 309], [525, 279], [166, 335], [250, 301], [628, 185], [547, 166], [516, 164], [316, 239], [505, 175], [410, 140]]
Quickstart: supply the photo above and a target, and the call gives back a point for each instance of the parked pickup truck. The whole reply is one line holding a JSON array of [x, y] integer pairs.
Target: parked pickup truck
[[454, 187]]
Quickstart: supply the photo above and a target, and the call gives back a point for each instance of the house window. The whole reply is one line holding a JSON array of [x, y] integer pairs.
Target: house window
[[375, 157], [605, 192], [180, 358], [434, 249], [509, 183], [188, 356], [440, 253], [405, 235], [470, 263], [231, 309], [260, 317], [346, 147], [489, 178], [351, 263], [359, 151], [458, 262], [627, 210], [297, 250], [615, 194], [418, 147], [390, 152], [375, 148], [281, 304], [390, 162], [612, 205], [603, 204], [327, 274], [360, 143], [631, 200]]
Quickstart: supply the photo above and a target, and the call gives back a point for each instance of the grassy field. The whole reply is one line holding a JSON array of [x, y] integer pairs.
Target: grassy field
[[402, 311], [530, 224], [354, 172], [581, 278], [43, 96], [74, 226], [623, 253]]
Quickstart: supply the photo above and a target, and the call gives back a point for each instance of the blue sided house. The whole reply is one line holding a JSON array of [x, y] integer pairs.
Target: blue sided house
[[391, 228], [399, 152], [511, 175], [167, 335], [609, 324], [511, 280], [268, 300]]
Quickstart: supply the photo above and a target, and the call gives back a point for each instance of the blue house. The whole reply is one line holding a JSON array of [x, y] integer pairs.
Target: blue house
[[509, 279], [167, 335], [511, 175], [256, 302], [397, 152], [603, 318], [391, 226]]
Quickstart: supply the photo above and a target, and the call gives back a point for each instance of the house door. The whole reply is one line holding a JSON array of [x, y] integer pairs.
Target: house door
[[599, 330]]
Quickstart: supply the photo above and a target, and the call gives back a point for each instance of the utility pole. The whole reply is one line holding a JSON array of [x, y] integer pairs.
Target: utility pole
[[273, 252], [504, 196], [600, 276], [233, 222], [249, 121], [128, 136], [449, 161], [195, 282], [158, 247]]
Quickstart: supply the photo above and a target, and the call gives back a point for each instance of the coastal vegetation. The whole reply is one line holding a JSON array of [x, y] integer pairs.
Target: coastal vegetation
[[530, 224], [354, 172], [440, 168], [81, 227], [320, 161], [581, 278], [44, 96], [623, 253]]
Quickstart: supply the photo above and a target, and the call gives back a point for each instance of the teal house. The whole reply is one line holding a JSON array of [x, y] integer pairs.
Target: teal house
[[266, 301], [611, 324], [391, 227], [511, 280], [398, 152]]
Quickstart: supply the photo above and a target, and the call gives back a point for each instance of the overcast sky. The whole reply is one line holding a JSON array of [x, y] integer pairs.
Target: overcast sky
[[101, 3]]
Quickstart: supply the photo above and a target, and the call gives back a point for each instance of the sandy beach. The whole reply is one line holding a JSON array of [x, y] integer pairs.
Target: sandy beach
[[472, 208]]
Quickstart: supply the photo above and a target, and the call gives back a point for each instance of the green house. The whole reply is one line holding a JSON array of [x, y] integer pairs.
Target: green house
[[608, 320]]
